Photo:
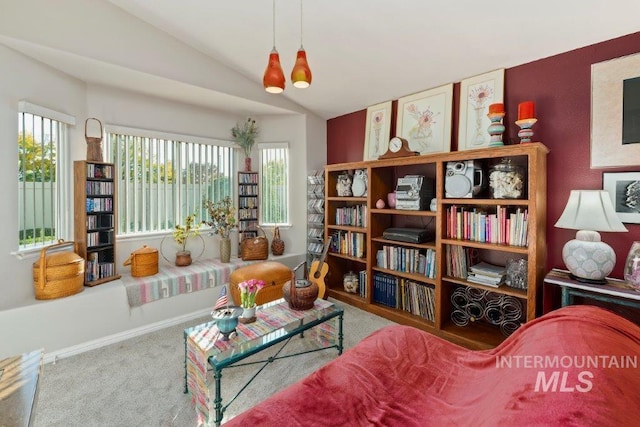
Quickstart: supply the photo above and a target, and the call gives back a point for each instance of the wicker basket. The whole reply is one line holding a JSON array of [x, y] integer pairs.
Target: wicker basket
[[58, 274], [255, 248], [143, 261]]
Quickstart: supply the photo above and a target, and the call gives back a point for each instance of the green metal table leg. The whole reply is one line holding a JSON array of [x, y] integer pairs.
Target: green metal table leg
[[186, 387], [217, 375], [340, 336], [566, 296]]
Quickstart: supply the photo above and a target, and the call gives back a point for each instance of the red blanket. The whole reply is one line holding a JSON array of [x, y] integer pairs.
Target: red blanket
[[577, 366]]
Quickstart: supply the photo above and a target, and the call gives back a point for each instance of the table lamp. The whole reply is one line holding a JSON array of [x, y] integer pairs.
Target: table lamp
[[587, 257]]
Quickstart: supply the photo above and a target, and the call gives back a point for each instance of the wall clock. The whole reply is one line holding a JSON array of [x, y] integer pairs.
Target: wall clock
[[398, 147]]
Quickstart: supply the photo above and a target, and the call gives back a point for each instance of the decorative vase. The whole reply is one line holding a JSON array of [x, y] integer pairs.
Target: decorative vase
[[277, 245], [248, 314], [225, 249], [183, 258], [391, 200], [632, 266], [247, 164], [226, 319]]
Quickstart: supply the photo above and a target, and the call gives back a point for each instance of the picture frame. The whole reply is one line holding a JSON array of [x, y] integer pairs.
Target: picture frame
[[476, 94], [424, 120], [377, 130], [615, 141], [624, 190]]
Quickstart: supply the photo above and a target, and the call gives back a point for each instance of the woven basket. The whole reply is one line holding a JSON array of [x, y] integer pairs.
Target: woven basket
[[59, 274], [143, 261], [94, 144], [255, 248]]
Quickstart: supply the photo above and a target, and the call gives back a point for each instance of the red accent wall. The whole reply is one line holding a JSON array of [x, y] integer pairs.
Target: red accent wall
[[560, 86]]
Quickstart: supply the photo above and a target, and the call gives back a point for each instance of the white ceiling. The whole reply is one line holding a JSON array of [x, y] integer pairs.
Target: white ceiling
[[363, 52]]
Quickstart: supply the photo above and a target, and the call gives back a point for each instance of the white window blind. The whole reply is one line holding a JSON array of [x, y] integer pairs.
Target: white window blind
[[43, 189], [164, 178], [274, 193]]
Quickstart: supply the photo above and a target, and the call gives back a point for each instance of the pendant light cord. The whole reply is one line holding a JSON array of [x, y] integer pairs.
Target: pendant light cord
[[301, 24], [274, 24]]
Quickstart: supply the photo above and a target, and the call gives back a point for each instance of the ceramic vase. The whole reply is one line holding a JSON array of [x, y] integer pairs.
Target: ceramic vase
[[225, 249], [183, 258], [247, 164], [248, 314]]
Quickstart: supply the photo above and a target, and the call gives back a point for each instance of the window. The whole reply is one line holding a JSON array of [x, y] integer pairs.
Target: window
[[164, 178], [42, 187], [274, 203]]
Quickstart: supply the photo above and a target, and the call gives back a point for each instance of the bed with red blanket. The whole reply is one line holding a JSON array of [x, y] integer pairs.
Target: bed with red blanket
[[576, 366]]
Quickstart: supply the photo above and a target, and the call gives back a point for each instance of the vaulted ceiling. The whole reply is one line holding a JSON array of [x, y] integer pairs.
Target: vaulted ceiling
[[363, 52]]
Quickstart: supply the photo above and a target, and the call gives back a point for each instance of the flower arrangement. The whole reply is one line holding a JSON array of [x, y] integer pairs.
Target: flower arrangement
[[245, 135], [182, 233], [248, 291], [222, 214]]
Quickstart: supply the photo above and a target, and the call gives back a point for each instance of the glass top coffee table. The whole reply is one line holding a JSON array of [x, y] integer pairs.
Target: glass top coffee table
[[276, 323]]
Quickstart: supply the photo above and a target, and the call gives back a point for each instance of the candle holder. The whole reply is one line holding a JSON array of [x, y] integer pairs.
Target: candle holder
[[525, 133], [496, 129]]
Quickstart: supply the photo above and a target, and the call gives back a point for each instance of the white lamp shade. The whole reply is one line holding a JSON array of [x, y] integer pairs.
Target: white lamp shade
[[590, 210]]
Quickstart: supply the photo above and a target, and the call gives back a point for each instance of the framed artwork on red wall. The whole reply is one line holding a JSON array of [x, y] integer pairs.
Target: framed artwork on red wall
[[615, 112], [378, 130], [424, 119], [476, 94], [624, 190]]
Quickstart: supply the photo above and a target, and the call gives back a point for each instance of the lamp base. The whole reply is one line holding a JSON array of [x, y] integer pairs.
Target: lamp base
[[588, 258], [589, 281]]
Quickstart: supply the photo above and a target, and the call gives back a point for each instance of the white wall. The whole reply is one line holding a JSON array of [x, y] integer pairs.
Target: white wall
[[25, 79], [27, 324]]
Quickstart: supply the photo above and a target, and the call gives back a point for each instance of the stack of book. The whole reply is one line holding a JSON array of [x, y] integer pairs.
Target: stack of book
[[486, 274]]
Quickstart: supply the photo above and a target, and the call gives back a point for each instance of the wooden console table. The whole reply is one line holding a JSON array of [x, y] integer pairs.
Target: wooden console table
[[19, 388]]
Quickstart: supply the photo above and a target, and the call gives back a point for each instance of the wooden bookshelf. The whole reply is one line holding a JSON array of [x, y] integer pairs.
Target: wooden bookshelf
[[248, 202], [382, 176], [95, 219]]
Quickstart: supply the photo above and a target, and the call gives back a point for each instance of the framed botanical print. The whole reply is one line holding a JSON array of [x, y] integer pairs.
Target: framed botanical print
[[424, 119], [476, 94], [378, 130], [624, 190]]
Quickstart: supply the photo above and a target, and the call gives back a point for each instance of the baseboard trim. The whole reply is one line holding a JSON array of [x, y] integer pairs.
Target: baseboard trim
[[54, 356]]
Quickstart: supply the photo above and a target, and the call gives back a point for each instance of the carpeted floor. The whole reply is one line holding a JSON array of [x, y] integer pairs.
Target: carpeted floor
[[140, 382]]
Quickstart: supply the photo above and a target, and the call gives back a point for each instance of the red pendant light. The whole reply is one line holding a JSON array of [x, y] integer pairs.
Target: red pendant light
[[301, 73], [273, 80]]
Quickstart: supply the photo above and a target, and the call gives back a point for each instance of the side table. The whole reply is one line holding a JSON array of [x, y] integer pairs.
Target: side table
[[615, 292]]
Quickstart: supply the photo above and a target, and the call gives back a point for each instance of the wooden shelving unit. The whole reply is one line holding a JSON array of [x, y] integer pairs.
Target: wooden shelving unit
[[95, 219], [248, 203], [382, 176], [315, 215]]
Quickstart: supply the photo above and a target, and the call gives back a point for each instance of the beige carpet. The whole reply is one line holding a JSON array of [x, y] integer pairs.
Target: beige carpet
[[140, 382]]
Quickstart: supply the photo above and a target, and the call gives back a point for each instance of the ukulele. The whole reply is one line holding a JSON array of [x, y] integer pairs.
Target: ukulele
[[319, 270]]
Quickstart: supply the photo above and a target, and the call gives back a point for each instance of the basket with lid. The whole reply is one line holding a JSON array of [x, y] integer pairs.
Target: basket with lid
[[143, 261], [58, 273]]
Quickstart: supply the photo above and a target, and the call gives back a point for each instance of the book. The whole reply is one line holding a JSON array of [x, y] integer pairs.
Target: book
[[487, 269]]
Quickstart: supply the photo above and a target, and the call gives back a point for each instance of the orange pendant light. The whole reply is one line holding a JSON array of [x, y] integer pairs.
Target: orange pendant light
[[273, 80], [301, 73]]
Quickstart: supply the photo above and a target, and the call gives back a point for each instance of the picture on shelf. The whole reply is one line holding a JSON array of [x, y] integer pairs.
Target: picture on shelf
[[424, 119], [476, 94], [377, 130], [624, 190]]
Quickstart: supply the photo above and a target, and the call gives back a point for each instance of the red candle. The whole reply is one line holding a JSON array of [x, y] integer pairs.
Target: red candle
[[496, 108], [526, 110]]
